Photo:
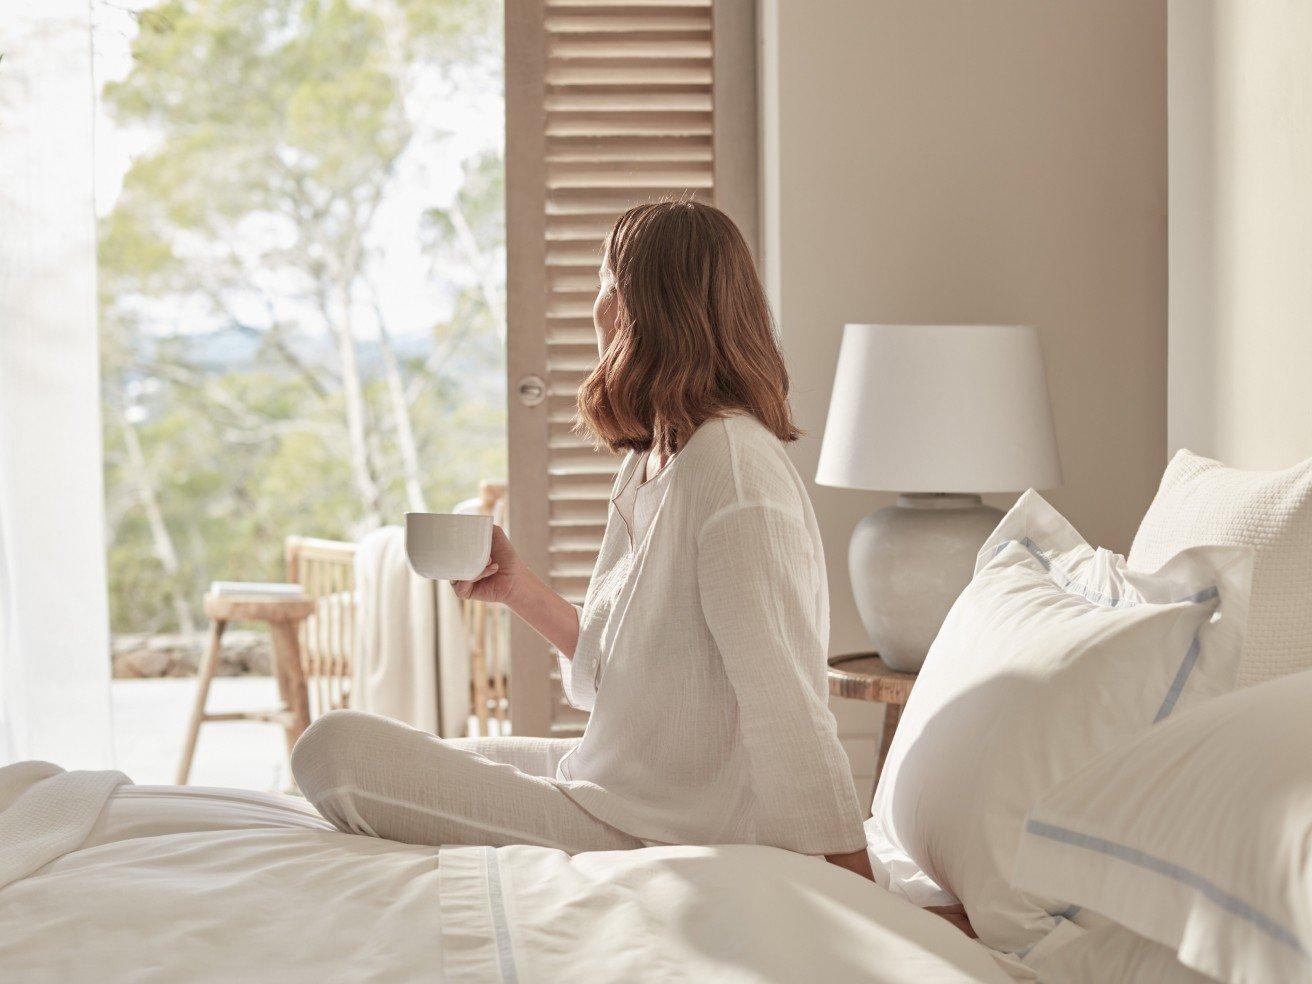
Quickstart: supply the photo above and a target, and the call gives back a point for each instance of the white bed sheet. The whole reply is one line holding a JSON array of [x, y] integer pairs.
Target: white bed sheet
[[221, 885], [725, 914]]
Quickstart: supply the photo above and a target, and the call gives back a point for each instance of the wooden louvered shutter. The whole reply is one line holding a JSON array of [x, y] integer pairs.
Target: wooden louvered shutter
[[608, 103]]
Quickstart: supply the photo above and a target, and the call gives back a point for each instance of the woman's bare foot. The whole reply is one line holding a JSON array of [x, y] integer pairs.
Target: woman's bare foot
[[956, 915], [857, 861]]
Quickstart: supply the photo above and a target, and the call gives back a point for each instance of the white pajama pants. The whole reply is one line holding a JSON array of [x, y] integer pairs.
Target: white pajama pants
[[372, 775]]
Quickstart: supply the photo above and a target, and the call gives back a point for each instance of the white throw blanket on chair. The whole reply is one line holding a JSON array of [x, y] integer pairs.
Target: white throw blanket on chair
[[412, 661]]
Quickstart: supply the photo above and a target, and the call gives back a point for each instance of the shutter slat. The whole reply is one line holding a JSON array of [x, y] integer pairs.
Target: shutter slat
[[583, 362], [672, 20], [578, 228], [629, 124], [576, 5], [592, 490], [568, 309], [579, 512], [571, 204], [633, 178], [583, 236], [619, 49], [577, 542], [630, 102], [597, 468], [576, 71], [574, 283], [563, 389], [570, 442], [572, 255], [563, 569], [574, 336], [685, 151]]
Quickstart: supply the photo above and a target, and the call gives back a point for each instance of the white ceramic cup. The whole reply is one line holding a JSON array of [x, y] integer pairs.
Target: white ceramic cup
[[448, 546]]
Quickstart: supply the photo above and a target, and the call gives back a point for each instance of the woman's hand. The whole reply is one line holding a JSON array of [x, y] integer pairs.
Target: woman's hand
[[508, 580], [503, 577]]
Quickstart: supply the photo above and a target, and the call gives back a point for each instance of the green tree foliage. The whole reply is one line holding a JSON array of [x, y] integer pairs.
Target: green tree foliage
[[245, 358]]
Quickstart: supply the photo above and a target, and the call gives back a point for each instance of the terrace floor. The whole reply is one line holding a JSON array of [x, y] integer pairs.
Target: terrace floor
[[150, 723]]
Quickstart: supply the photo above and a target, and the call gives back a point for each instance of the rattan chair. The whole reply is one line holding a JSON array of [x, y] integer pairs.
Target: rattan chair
[[326, 570], [487, 630]]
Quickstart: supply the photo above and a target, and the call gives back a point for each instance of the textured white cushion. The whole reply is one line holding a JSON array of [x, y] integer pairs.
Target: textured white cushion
[[1054, 653], [1195, 835], [1201, 501]]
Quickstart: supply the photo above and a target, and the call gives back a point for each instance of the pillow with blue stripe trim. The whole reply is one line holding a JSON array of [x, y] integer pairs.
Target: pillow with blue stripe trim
[[1195, 835], [1055, 653]]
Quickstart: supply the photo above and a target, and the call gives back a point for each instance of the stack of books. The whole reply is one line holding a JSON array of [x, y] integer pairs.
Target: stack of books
[[254, 589]]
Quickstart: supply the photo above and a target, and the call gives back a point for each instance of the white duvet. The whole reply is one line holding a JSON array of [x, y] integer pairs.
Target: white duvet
[[187, 884]]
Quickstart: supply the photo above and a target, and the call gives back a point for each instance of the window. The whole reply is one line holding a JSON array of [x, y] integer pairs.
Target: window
[[301, 310]]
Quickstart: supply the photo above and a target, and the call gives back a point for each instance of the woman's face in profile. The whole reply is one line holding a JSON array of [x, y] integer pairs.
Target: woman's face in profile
[[604, 307]]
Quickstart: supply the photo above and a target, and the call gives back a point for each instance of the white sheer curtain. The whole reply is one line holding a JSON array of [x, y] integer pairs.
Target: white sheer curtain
[[54, 634]]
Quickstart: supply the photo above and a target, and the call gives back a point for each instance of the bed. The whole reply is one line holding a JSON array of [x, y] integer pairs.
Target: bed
[[1100, 761], [154, 883]]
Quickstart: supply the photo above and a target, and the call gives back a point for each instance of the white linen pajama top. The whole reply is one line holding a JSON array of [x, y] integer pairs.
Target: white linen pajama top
[[701, 656]]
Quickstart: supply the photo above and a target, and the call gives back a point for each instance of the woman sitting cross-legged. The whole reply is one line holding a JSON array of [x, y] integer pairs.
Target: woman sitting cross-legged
[[700, 649]]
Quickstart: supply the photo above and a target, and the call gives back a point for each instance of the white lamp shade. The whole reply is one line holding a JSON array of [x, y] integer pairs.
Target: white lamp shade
[[940, 408]]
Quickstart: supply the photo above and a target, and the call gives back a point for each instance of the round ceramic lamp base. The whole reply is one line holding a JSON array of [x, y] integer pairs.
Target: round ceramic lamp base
[[908, 563]]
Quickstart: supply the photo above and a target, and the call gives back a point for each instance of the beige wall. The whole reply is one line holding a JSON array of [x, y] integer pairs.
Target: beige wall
[[965, 161], [929, 160], [1241, 230]]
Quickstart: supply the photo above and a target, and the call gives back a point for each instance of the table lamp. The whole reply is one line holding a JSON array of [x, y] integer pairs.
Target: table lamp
[[939, 414]]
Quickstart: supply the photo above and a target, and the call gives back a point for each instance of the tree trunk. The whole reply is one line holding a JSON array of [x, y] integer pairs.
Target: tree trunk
[[353, 394], [161, 541], [405, 434], [486, 285]]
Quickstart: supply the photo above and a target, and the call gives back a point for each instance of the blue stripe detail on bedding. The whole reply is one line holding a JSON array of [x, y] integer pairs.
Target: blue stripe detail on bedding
[[1067, 583], [1181, 678], [500, 924], [1168, 869]]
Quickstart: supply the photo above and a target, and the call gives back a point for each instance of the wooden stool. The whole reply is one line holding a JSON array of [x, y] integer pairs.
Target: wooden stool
[[863, 676], [284, 617]]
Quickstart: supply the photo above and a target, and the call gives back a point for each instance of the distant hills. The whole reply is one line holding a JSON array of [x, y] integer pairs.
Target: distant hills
[[221, 350]]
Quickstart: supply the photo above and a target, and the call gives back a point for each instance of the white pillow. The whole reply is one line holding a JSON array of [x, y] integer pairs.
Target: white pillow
[[1200, 501], [1054, 653], [1195, 835]]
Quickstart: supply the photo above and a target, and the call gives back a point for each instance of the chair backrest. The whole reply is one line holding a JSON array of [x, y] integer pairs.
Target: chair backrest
[[326, 570], [487, 631]]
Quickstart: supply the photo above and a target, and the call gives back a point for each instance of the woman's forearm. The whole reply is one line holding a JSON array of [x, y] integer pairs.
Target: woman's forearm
[[550, 615]]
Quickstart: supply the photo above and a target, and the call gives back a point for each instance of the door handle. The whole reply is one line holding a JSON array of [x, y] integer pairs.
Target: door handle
[[531, 389]]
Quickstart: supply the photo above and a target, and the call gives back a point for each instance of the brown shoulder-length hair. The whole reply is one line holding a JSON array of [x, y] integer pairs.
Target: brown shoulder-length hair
[[693, 335]]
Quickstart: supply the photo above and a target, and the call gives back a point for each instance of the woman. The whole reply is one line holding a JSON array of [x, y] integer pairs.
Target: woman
[[700, 648]]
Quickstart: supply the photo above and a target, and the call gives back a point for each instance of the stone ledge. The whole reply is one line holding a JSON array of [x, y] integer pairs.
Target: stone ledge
[[244, 653]]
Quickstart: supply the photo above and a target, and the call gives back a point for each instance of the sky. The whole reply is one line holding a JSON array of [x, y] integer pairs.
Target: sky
[[413, 295]]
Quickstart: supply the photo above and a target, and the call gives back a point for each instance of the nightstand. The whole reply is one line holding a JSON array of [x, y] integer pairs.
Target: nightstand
[[863, 676]]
